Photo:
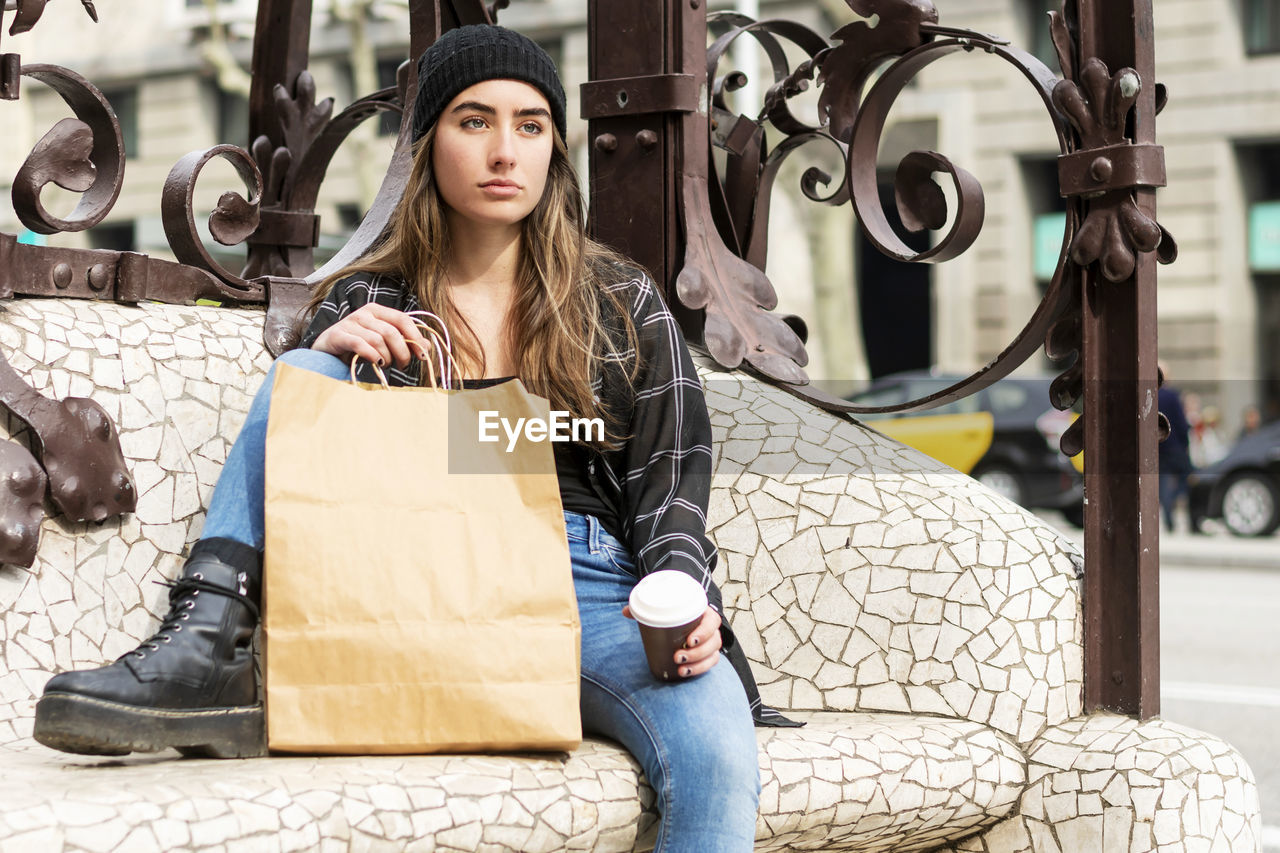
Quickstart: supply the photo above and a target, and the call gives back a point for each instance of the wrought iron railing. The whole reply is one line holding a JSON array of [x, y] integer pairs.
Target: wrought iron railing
[[656, 104]]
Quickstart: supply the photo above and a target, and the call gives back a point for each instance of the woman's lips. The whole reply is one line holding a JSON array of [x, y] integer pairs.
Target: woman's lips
[[500, 189]]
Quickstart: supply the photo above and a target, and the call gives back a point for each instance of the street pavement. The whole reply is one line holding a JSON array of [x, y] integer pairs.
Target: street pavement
[[1220, 648]]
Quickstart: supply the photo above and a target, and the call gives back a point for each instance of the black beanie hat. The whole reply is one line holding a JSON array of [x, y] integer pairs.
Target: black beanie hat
[[472, 54]]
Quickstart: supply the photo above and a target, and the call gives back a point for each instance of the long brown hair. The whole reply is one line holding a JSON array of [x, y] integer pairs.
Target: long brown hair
[[557, 327]]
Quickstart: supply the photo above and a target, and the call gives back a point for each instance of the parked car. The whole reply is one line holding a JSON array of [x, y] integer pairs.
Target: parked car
[[1243, 488], [1021, 462]]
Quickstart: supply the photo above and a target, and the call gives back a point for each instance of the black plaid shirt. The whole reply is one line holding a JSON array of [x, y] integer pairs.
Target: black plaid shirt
[[659, 481]]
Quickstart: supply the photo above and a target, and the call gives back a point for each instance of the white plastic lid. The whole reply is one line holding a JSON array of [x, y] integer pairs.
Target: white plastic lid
[[668, 599]]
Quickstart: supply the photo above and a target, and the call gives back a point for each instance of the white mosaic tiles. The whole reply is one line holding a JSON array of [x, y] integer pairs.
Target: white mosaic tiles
[[862, 577], [1112, 783], [177, 382], [828, 788]]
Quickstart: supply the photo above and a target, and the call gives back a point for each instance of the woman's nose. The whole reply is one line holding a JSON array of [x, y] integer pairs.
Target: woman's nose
[[504, 149]]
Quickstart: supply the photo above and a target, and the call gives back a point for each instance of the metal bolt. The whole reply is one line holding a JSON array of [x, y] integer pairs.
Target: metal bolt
[[606, 142], [1101, 169], [647, 139], [1130, 83], [61, 275], [99, 276]]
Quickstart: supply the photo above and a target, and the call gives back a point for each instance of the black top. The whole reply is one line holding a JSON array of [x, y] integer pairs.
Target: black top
[[576, 494]]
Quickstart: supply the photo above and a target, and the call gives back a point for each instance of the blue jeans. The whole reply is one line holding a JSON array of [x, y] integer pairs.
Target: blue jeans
[[235, 511], [1173, 485], [694, 739]]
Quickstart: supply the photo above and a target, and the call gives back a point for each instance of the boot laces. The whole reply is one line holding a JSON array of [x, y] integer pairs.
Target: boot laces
[[182, 599]]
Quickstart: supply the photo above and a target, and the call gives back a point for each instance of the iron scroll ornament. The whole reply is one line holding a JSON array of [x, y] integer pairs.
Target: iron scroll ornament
[[742, 204], [919, 42], [233, 219], [726, 221], [84, 154], [1089, 118], [921, 205]]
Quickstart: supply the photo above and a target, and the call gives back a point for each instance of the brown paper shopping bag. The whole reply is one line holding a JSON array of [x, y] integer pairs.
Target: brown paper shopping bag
[[418, 595]]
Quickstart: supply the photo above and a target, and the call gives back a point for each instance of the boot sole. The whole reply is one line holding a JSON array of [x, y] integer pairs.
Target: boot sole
[[87, 726]]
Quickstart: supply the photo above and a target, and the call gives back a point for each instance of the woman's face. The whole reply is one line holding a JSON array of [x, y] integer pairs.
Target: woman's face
[[492, 151]]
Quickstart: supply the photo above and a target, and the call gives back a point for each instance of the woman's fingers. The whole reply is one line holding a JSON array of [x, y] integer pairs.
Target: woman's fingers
[[347, 339], [416, 342], [708, 631], [702, 648], [365, 340], [698, 667], [376, 333], [389, 340]]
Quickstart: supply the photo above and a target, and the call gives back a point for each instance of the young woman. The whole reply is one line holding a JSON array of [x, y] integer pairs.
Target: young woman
[[488, 236]]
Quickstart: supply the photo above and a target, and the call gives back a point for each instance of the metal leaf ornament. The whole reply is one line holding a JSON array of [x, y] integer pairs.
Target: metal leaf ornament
[[1114, 231], [736, 296], [60, 157], [863, 48]]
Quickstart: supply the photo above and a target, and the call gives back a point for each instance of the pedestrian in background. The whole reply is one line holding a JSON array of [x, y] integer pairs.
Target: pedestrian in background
[[1207, 443], [1175, 450], [1251, 419]]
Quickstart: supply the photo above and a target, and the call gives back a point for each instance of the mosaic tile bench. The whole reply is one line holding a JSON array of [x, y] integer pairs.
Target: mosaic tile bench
[[927, 629]]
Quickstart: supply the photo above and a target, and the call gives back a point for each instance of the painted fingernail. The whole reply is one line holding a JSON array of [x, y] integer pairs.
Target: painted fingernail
[[684, 659], [694, 641], [687, 671]]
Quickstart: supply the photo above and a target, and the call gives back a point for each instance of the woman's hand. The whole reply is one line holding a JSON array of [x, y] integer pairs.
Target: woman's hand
[[375, 333], [701, 648]]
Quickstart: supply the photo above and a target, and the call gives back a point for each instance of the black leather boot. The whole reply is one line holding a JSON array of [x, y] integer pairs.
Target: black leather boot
[[191, 686]]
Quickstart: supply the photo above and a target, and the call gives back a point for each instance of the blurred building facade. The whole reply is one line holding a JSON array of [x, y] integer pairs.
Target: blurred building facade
[[1220, 59]]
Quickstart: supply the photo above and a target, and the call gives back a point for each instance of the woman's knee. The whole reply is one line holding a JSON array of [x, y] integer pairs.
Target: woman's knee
[[710, 793], [723, 758], [720, 749]]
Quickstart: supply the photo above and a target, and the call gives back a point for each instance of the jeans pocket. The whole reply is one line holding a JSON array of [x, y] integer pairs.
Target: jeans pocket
[[603, 543], [620, 559]]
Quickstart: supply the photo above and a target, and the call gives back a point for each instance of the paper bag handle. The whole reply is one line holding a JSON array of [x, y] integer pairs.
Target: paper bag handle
[[442, 345]]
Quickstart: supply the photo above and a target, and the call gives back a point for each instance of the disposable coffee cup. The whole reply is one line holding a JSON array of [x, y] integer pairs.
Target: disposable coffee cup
[[667, 605]]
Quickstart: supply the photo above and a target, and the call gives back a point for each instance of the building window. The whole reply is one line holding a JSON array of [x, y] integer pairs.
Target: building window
[[232, 116], [1039, 42], [125, 104], [116, 236], [349, 216], [388, 123], [1048, 211], [1261, 21], [1260, 176]]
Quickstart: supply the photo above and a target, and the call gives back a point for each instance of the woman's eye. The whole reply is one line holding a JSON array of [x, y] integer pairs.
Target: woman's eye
[[531, 127], [473, 122]]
